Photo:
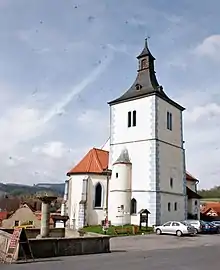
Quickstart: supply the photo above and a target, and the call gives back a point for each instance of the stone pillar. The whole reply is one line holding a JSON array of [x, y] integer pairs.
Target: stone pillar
[[45, 219], [46, 199]]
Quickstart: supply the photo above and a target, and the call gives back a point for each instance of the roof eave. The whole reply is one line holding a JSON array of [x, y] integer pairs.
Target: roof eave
[[104, 172], [192, 180], [118, 100], [145, 54]]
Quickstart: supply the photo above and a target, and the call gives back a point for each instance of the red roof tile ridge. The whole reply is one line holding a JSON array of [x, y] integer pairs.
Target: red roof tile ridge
[[97, 160], [99, 149], [88, 165]]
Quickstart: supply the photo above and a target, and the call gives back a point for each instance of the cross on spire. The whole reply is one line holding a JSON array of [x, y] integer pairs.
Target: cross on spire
[[146, 41]]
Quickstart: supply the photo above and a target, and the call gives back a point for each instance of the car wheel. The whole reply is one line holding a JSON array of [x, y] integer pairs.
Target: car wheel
[[158, 232], [178, 233], [197, 231]]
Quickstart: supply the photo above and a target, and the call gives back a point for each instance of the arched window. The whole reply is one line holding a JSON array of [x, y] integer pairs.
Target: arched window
[[98, 195], [133, 206]]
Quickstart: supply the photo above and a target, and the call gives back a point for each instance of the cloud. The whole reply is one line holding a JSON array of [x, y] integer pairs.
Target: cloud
[[54, 149], [58, 107], [120, 48], [91, 116], [18, 125], [23, 123], [201, 133], [29, 122], [46, 64], [199, 113], [210, 47], [95, 124]]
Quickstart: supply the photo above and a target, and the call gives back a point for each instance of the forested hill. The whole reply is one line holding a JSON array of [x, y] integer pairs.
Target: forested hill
[[18, 190], [210, 193]]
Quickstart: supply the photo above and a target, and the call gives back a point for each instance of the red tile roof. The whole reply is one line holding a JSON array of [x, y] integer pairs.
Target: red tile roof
[[215, 208], [39, 214], [3, 215], [95, 161]]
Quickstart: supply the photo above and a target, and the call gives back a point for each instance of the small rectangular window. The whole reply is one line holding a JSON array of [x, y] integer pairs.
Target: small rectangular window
[[134, 118], [171, 182], [129, 119], [169, 207], [169, 121], [16, 223], [116, 175], [175, 206]]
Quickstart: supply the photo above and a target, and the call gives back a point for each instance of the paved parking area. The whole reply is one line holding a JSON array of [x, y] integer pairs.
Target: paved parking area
[[155, 242], [141, 253]]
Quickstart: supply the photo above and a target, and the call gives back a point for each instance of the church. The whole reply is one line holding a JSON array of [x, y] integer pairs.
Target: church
[[141, 168]]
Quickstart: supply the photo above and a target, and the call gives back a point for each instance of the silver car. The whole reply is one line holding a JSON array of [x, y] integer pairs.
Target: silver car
[[176, 228], [197, 224]]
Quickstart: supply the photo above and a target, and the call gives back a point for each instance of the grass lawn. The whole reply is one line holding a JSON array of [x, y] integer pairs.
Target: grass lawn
[[111, 230], [210, 200]]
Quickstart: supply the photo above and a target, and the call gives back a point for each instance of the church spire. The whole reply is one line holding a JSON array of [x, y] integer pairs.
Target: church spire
[[146, 83], [146, 52]]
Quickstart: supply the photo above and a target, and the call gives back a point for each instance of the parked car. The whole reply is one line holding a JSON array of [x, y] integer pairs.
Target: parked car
[[217, 223], [176, 228], [199, 225], [210, 227]]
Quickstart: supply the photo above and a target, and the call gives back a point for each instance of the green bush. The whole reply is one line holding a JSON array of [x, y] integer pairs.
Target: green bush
[[111, 230]]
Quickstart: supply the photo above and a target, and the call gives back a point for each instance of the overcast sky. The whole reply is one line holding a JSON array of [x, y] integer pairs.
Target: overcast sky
[[61, 61]]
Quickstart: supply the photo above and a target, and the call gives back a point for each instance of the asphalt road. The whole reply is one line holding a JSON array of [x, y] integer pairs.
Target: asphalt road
[[180, 254]]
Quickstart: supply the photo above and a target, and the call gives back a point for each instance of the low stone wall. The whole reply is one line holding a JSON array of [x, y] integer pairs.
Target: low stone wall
[[55, 247], [33, 233]]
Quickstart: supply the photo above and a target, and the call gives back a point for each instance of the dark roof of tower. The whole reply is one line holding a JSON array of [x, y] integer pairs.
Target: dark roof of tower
[[145, 52], [124, 157], [146, 83]]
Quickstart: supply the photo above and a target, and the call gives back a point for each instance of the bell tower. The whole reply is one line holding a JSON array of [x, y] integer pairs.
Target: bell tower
[[146, 122]]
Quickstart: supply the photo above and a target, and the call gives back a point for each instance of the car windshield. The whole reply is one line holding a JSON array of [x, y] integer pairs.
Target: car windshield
[[192, 222], [216, 222], [185, 223]]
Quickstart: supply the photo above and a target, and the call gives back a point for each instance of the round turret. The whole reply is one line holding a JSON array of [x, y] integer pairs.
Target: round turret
[[120, 190]]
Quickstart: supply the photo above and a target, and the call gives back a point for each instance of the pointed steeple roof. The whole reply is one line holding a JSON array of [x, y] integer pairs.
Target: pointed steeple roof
[[124, 157], [146, 83], [145, 52]]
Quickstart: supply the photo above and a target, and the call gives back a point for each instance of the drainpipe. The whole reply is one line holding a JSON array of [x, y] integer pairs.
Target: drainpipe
[[107, 192], [65, 198], [84, 198]]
